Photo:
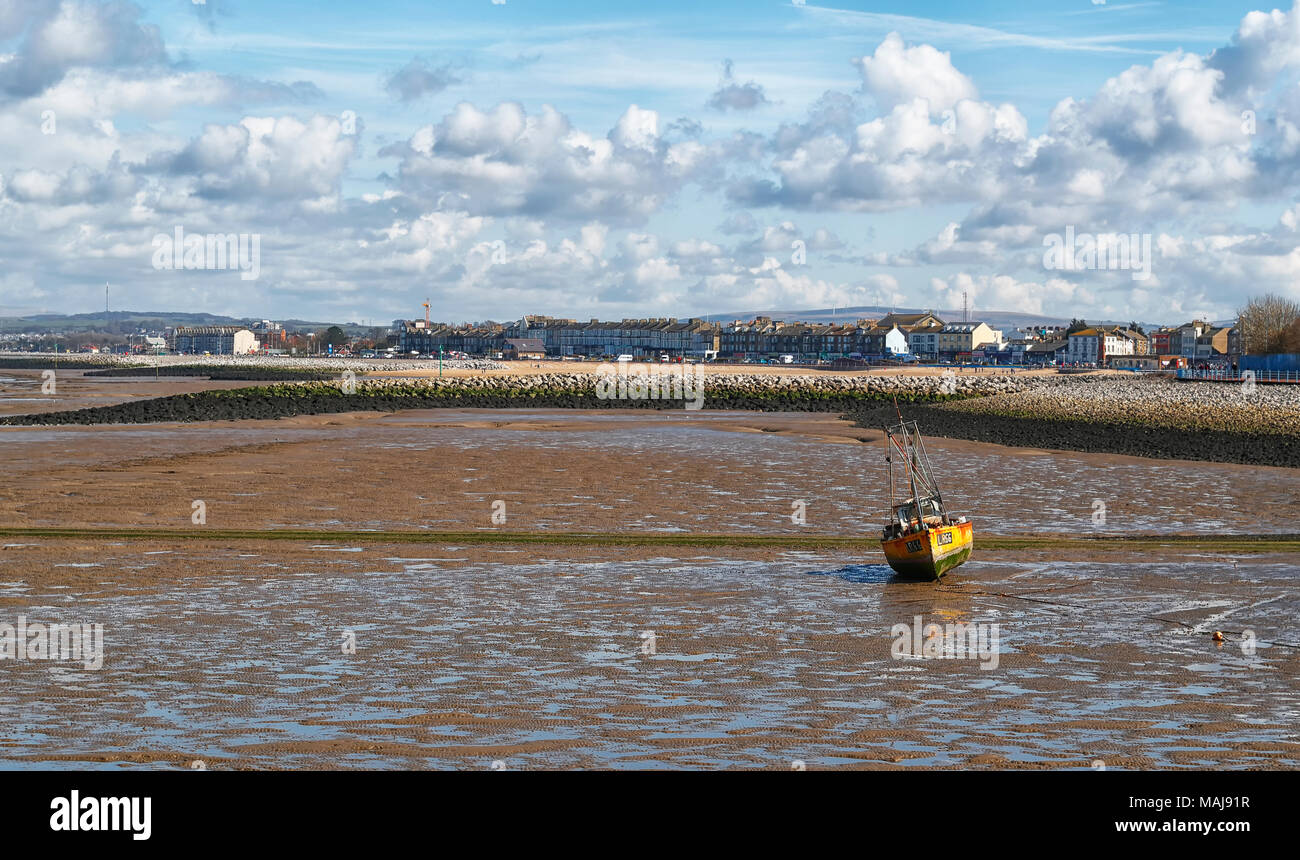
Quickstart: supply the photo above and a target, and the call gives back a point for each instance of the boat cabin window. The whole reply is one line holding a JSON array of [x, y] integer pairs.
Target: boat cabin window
[[907, 513]]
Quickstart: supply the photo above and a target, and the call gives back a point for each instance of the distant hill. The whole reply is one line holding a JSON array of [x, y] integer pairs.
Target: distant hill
[[101, 321], [115, 320], [1004, 320]]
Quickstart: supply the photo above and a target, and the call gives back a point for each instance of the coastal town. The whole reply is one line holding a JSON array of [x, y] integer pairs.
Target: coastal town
[[920, 337]]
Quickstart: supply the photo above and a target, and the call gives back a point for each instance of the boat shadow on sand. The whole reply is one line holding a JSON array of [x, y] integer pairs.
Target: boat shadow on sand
[[862, 573], [878, 573]]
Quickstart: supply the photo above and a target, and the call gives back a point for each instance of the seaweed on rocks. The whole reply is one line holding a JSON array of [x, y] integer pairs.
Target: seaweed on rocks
[[1110, 437], [251, 373]]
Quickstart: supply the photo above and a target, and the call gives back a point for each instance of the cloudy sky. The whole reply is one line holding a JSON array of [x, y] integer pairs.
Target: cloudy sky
[[598, 159]]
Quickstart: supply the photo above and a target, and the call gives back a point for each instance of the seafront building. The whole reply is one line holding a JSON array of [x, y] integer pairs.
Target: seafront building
[[923, 335], [1044, 352], [968, 337], [523, 349], [636, 337], [214, 339], [1095, 345], [923, 340], [565, 337], [415, 337]]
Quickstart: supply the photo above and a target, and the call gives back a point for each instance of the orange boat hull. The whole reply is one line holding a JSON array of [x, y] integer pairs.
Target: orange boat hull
[[931, 553]]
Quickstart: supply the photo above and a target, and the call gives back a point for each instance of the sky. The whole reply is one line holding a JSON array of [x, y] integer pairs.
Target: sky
[[610, 160]]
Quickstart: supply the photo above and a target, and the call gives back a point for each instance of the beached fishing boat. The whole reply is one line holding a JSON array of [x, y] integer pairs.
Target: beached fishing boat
[[920, 539]]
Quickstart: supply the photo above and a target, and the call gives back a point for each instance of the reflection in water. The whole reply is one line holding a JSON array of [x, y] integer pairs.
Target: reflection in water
[[860, 573]]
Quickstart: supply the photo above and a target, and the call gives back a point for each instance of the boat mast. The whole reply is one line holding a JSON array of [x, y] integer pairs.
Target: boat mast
[[889, 460], [915, 459], [932, 487], [911, 477]]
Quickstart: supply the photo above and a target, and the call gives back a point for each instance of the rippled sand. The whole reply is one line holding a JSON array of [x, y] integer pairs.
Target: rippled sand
[[230, 653], [466, 656]]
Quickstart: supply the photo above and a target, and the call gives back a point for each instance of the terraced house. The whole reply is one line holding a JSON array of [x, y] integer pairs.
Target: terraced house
[[764, 337], [798, 339], [923, 340], [1197, 341], [1213, 344], [749, 339], [1141, 343], [1158, 341], [1182, 340], [847, 339], [551, 331], [636, 337], [558, 337], [889, 336], [480, 339]]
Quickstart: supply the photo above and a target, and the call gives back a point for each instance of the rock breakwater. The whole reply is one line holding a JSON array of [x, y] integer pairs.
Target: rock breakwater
[[1144, 417]]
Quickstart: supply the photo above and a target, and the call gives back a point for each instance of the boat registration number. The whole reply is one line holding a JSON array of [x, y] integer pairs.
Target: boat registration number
[[945, 538], [914, 546]]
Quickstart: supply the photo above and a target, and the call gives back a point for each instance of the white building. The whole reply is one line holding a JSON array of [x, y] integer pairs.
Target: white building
[[896, 341], [1094, 345]]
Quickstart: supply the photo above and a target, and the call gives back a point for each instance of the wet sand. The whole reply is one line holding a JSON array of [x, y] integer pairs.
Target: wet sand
[[21, 390], [443, 469], [466, 656], [229, 652], [1152, 418]]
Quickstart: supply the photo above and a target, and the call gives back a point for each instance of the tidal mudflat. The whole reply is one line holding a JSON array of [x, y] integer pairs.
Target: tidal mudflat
[[235, 656], [235, 653]]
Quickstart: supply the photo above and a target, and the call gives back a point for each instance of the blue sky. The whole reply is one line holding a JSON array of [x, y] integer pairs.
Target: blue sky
[[746, 128], [593, 59]]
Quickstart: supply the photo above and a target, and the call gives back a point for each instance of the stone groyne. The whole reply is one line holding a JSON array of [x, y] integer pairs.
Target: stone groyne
[[1155, 418], [759, 392]]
